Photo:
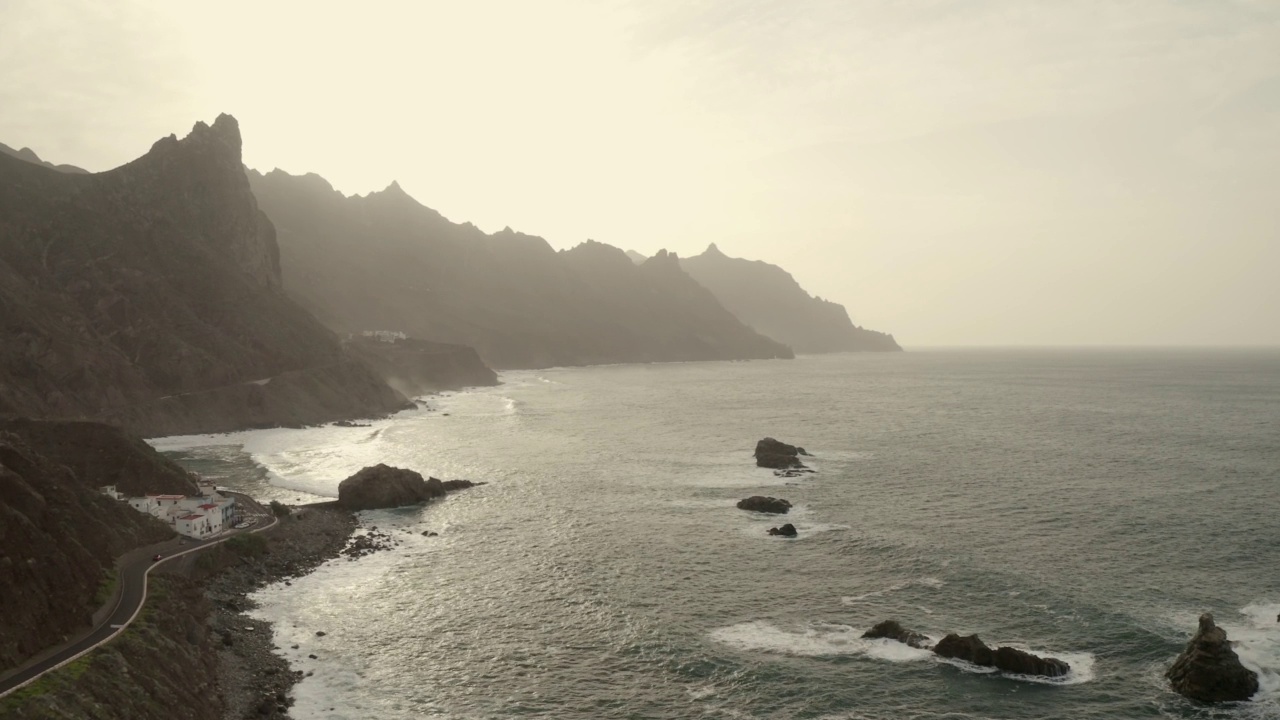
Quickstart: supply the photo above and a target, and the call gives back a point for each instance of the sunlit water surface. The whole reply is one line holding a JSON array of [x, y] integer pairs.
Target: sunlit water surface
[[1083, 504]]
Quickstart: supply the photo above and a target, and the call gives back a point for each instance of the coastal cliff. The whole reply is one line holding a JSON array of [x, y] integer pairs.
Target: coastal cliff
[[769, 299], [511, 296], [160, 279], [415, 367]]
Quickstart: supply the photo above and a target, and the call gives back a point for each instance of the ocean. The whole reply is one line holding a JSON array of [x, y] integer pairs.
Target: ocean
[[1084, 504]]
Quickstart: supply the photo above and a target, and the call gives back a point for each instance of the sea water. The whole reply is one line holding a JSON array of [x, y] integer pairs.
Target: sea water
[[1083, 504]]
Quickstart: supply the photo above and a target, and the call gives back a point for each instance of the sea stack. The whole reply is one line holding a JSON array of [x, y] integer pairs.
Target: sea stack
[[778, 455], [1209, 670]]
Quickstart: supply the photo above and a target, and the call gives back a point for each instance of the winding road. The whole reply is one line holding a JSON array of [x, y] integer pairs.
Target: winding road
[[131, 573]]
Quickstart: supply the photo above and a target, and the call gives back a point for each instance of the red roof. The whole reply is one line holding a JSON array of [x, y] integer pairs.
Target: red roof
[[190, 517], [208, 506]]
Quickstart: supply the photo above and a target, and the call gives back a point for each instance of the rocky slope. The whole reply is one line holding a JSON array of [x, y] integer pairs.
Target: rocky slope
[[163, 667], [160, 278], [768, 299], [509, 295], [59, 536]]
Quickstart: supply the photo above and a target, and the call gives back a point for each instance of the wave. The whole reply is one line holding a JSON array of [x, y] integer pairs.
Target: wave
[[1257, 643], [929, 582], [830, 639]]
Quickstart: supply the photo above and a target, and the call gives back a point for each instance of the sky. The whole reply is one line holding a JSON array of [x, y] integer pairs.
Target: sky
[[987, 172]]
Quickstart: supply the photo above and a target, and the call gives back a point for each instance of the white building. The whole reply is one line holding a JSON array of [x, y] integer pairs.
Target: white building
[[110, 491], [195, 525]]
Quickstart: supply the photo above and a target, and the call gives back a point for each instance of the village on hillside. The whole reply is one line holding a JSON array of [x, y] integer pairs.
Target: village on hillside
[[200, 516]]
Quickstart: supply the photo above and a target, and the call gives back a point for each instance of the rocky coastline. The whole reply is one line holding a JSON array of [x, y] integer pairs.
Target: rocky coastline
[[254, 681]]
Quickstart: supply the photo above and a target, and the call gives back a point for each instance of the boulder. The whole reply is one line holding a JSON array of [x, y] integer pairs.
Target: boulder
[[787, 530], [1012, 660], [891, 630], [970, 648], [778, 455], [760, 503], [1208, 670], [382, 486]]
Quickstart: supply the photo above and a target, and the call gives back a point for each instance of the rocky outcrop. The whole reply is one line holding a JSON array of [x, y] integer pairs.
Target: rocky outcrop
[[787, 530], [891, 630], [769, 299], [150, 296], [1011, 660], [383, 486], [59, 536], [416, 367], [778, 455], [762, 504], [1208, 669], [511, 296]]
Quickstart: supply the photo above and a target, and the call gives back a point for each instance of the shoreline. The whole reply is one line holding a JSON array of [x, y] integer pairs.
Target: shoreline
[[253, 679]]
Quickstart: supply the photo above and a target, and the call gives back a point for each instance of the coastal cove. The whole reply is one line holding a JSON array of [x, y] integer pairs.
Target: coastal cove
[[1087, 505]]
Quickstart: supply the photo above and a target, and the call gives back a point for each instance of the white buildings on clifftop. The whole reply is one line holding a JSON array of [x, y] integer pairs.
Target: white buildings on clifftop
[[196, 516]]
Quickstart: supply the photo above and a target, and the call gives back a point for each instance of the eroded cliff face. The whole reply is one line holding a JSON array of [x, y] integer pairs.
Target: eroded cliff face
[[769, 299], [159, 278], [59, 536], [385, 262]]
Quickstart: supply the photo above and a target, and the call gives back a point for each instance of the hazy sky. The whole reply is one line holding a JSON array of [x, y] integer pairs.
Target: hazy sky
[[982, 172]]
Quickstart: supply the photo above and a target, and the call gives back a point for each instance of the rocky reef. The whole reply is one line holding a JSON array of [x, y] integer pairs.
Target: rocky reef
[[762, 504], [892, 630], [787, 530], [971, 649], [1208, 670]]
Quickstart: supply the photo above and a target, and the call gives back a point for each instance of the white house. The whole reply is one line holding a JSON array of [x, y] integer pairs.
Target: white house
[[148, 505], [194, 525], [110, 491]]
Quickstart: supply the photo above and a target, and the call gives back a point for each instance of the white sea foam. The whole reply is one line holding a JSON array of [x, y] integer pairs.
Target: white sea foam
[[1257, 641], [814, 640], [828, 639], [929, 582]]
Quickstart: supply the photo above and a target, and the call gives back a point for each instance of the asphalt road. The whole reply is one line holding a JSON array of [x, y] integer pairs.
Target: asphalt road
[[132, 576]]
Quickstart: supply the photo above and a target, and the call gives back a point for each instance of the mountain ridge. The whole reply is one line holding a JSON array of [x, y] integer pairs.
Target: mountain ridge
[[510, 295]]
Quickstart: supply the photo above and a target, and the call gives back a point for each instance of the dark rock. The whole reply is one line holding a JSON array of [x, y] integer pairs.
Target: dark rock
[[971, 649], [778, 455], [968, 648], [760, 503], [1016, 661], [891, 630], [320, 633], [1208, 670], [787, 530], [382, 486], [313, 657]]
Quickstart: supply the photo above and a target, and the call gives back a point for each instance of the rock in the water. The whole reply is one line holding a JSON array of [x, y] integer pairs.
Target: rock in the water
[[891, 630], [971, 649], [382, 486], [787, 530], [760, 503], [1012, 660], [778, 455], [1209, 670]]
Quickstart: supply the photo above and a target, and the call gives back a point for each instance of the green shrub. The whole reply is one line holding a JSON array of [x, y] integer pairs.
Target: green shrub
[[279, 509]]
